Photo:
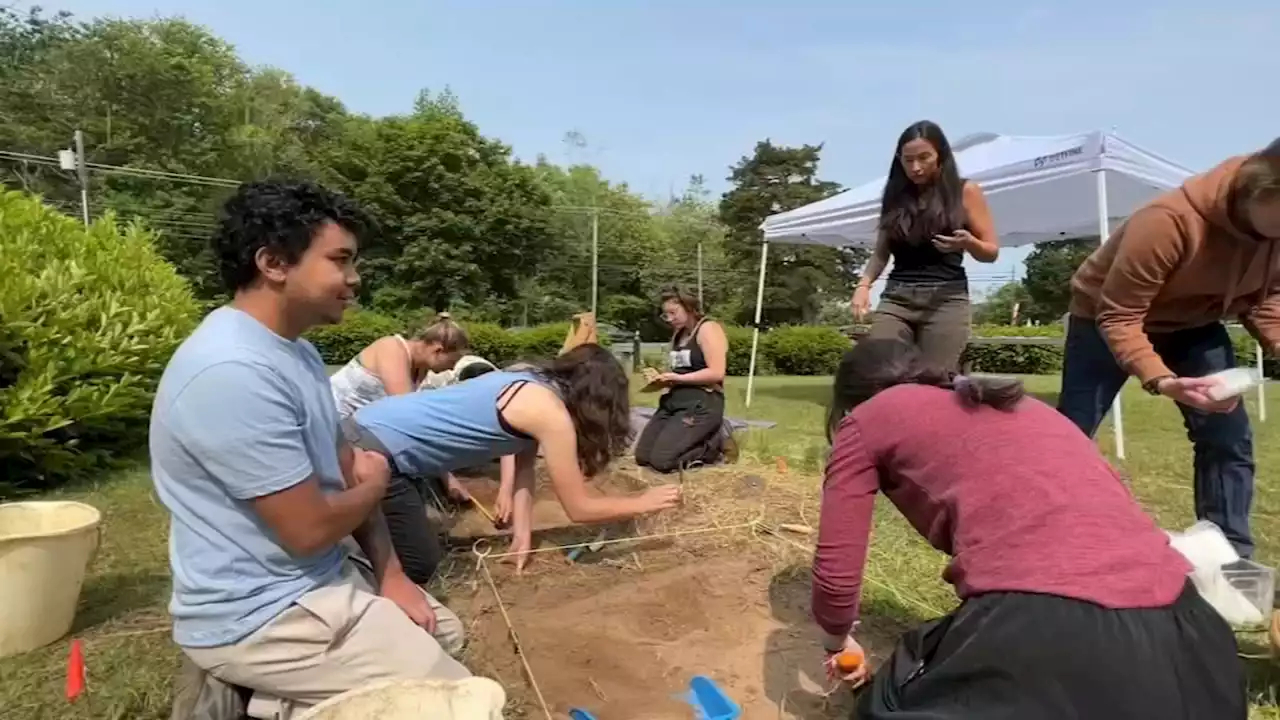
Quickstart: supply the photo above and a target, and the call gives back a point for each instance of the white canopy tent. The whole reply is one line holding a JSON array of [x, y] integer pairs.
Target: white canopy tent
[[1039, 189]]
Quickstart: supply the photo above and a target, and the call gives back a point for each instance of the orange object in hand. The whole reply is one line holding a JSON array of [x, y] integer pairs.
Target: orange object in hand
[[848, 661]]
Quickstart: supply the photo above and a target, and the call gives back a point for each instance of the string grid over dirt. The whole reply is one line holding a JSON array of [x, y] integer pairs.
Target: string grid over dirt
[[622, 631]]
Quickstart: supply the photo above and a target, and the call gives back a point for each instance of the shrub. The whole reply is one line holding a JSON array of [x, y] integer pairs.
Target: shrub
[[88, 319], [339, 343], [1246, 349], [493, 343], [803, 350], [1018, 331], [738, 360], [544, 341], [1015, 359], [540, 342]]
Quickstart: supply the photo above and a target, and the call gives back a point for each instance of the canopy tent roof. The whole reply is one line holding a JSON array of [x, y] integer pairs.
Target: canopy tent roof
[[1039, 189]]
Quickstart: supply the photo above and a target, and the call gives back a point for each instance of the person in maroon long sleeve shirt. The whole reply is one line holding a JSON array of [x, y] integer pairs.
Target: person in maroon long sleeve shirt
[[1074, 605]]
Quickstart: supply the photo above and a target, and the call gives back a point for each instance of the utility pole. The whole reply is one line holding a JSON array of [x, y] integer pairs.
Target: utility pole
[[82, 171], [595, 260], [74, 159], [701, 306]]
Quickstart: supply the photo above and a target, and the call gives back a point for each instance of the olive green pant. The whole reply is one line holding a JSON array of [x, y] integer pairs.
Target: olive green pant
[[933, 316]]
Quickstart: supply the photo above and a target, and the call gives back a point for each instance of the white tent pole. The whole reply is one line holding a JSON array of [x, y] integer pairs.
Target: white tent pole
[[1262, 393], [755, 333], [1104, 231]]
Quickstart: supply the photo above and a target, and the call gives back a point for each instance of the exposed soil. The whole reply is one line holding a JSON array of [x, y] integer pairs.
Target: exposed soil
[[548, 515], [623, 641]]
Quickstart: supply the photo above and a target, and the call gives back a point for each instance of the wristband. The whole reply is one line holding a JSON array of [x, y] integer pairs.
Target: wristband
[[1152, 386]]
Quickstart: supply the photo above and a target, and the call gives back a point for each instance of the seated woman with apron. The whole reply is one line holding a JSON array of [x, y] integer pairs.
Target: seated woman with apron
[[686, 429]]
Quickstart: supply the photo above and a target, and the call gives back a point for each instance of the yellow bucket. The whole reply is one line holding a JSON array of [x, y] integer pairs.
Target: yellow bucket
[[45, 549]]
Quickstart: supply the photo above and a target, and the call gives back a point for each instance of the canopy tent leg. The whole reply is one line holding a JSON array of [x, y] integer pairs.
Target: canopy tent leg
[[755, 333], [1104, 231]]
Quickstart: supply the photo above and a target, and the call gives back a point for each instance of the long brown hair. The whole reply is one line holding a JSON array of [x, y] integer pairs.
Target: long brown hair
[[446, 333], [596, 393], [873, 366], [914, 214]]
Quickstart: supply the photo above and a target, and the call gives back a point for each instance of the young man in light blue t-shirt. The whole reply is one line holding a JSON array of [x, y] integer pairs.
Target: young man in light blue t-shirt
[[248, 459]]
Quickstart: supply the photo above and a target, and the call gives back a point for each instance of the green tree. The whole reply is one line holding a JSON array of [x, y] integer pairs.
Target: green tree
[[462, 223], [635, 256], [997, 308], [690, 220], [159, 94], [1049, 270], [799, 279]]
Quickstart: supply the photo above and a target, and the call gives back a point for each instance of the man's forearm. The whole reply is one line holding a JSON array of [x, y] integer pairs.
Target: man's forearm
[[348, 510], [375, 540]]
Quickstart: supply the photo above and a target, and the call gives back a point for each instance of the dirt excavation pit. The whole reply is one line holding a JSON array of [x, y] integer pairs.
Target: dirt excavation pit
[[622, 642], [550, 524]]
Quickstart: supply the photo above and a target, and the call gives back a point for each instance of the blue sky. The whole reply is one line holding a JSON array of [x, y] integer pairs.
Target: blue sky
[[664, 89]]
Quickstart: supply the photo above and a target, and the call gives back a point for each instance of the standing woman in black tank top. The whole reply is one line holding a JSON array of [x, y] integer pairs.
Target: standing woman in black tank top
[[685, 430], [929, 219]]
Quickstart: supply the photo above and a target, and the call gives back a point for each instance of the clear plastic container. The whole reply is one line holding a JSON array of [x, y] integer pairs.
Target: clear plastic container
[[1256, 582]]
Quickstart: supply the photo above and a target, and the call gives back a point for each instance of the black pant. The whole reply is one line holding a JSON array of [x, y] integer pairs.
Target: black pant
[[684, 430], [414, 537], [1223, 464], [1016, 656]]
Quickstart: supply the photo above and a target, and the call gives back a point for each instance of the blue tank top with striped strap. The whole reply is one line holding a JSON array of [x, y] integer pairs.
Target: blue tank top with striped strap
[[431, 432]]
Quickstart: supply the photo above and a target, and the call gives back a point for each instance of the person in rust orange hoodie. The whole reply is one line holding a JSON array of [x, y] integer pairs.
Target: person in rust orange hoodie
[[1150, 302]]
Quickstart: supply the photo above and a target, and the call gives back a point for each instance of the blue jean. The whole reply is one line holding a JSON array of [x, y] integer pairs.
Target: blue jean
[[1223, 467]]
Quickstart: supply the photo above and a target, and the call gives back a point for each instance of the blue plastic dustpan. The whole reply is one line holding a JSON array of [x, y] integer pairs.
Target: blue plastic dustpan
[[709, 701]]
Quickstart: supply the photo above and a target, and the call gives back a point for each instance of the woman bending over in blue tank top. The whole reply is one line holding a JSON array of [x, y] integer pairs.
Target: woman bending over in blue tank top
[[576, 407]]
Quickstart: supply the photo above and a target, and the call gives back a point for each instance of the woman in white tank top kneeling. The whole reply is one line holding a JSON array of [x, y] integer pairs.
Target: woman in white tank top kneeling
[[392, 365]]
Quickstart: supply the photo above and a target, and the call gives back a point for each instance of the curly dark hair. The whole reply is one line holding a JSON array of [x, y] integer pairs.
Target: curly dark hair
[[597, 394], [281, 216], [913, 214]]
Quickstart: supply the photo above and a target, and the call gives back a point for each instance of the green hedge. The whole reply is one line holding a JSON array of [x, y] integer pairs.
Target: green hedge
[[360, 328], [738, 359], [804, 350], [339, 343], [1015, 359], [785, 350], [1046, 360], [88, 319]]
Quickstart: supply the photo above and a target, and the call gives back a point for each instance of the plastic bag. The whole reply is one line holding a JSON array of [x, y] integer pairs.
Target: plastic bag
[[1207, 549]]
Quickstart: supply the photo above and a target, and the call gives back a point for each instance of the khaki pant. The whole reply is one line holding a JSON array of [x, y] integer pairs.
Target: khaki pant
[[934, 317], [334, 639]]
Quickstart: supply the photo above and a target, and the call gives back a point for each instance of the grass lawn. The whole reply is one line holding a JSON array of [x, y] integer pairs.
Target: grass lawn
[[130, 659]]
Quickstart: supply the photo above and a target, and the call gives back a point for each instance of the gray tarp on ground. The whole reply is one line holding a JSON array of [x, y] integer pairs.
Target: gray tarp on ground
[[640, 417]]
